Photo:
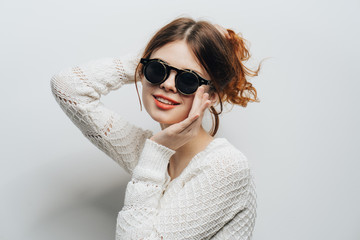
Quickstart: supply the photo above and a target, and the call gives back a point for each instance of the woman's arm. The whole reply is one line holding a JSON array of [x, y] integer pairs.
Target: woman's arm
[[220, 192], [78, 91]]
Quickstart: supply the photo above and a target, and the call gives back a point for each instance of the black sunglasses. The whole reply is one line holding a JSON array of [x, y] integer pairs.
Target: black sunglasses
[[157, 71]]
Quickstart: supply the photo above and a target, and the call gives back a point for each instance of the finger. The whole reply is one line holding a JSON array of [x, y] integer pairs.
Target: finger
[[205, 97], [198, 96], [188, 122], [197, 100], [195, 124], [197, 107], [196, 118], [205, 103]]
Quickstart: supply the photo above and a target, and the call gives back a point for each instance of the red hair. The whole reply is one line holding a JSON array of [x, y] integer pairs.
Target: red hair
[[239, 90]]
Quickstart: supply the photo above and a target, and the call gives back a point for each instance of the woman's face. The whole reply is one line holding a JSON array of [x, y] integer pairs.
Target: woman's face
[[179, 55]]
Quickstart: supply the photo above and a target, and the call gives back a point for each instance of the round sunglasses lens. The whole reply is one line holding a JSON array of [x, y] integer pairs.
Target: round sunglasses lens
[[187, 83], [155, 72]]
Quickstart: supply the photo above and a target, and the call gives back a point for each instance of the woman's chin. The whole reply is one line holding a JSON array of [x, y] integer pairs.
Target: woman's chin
[[164, 117], [166, 121]]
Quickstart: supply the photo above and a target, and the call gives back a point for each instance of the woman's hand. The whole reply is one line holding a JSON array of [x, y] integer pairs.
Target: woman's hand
[[180, 133]]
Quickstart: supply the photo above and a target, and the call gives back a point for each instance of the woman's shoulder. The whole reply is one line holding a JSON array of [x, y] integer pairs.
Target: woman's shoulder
[[219, 161], [222, 147], [221, 152]]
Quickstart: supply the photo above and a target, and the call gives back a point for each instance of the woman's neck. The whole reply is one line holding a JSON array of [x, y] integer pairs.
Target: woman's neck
[[183, 155]]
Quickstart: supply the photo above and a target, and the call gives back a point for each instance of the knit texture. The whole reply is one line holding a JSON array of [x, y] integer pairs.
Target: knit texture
[[213, 198]]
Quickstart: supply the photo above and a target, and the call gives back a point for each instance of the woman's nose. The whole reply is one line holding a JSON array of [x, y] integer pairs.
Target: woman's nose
[[169, 84]]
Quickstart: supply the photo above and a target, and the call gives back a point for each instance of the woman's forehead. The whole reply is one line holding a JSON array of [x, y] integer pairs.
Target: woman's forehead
[[181, 56]]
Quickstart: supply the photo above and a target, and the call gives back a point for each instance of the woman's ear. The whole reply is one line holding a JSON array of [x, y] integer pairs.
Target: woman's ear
[[214, 98]]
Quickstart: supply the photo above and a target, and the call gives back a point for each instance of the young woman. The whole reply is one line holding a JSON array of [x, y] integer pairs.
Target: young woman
[[185, 184]]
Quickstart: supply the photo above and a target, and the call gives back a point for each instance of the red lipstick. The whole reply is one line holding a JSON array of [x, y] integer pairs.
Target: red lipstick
[[164, 106], [167, 98]]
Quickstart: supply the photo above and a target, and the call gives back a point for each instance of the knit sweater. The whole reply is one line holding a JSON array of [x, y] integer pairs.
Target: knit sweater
[[214, 196]]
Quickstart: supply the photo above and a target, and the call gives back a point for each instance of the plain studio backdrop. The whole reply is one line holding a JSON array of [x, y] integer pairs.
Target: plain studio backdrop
[[302, 139]]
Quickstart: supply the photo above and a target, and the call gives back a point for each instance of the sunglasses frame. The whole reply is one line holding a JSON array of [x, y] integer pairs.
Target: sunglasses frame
[[168, 68]]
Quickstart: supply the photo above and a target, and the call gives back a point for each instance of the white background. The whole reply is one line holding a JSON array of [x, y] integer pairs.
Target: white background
[[302, 139]]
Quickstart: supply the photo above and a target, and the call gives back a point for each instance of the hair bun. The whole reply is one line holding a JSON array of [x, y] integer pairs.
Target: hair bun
[[238, 44], [239, 91]]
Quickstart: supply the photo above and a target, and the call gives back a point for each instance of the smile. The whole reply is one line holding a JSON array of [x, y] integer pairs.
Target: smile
[[164, 103]]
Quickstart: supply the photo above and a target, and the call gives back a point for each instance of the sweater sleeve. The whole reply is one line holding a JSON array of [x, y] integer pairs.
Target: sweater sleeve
[[78, 91], [212, 198]]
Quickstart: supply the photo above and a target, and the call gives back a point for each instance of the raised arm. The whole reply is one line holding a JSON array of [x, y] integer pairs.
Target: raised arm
[[78, 91]]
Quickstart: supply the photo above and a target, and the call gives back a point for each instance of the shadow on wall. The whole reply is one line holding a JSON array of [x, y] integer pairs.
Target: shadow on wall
[[55, 201], [90, 218]]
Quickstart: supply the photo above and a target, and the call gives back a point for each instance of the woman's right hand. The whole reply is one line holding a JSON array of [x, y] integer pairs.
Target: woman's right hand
[[178, 134]]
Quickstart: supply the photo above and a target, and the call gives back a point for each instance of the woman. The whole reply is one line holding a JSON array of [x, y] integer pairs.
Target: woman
[[185, 184]]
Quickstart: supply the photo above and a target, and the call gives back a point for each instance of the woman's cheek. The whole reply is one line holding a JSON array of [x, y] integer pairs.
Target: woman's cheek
[[146, 96]]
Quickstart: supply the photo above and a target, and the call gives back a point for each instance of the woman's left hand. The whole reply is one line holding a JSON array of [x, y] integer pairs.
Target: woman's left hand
[[180, 133]]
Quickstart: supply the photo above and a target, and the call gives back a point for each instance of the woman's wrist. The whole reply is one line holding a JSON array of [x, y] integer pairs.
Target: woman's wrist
[[129, 63], [158, 140]]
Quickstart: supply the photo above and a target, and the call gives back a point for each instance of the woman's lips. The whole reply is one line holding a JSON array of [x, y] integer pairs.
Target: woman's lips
[[167, 98], [163, 106]]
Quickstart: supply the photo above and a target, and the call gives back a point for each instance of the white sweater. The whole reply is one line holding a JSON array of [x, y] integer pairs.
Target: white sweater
[[214, 196]]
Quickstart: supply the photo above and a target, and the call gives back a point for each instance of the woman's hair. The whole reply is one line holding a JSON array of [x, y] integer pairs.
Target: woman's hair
[[222, 58]]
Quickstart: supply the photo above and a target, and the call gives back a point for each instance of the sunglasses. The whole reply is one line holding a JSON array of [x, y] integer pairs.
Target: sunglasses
[[157, 71]]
